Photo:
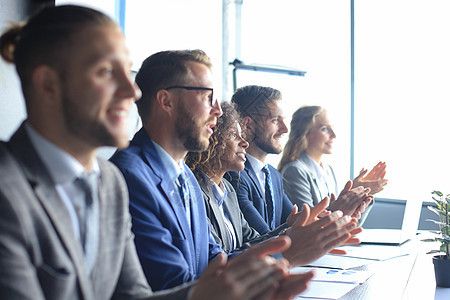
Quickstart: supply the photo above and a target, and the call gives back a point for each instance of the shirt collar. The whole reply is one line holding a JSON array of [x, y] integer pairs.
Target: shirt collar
[[218, 193], [256, 164], [62, 166], [173, 168], [318, 168]]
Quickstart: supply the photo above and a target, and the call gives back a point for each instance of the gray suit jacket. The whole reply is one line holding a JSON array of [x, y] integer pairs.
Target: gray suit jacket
[[300, 181], [40, 257], [300, 184], [246, 236]]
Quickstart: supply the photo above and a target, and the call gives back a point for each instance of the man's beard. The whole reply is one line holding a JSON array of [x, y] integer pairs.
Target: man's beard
[[92, 131], [266, 144], [190, 132]]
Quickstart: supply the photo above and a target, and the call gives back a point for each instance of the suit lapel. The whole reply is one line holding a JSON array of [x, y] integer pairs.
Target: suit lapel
[[216, 218], [232, 206], [309, 164], [45, 192], [173, 198], [198, 217], [312, 172], [166, 186]]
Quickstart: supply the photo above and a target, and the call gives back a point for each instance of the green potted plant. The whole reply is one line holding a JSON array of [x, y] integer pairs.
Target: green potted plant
[[441, 260]]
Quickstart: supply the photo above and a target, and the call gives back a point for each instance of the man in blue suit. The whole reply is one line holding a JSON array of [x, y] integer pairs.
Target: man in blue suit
[[170, 238], [264, 205], [257, 105], [172, 234]]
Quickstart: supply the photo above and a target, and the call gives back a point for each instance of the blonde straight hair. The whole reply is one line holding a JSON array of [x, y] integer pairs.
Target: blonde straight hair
[[302, 122]]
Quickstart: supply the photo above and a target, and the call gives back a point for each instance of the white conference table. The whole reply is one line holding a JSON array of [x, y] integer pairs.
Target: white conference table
[[409, 277], [404, 272]]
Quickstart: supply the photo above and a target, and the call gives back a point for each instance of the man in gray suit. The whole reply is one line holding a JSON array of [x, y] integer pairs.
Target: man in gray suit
[[64, 220]]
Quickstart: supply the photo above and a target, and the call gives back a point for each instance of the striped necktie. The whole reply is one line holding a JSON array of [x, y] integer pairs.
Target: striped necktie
[[270, 199], [185, 195]]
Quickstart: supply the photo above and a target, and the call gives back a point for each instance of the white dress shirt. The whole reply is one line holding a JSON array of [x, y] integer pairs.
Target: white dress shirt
[[325, 179]]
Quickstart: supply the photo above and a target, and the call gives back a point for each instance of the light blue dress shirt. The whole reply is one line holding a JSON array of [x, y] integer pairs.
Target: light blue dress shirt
[[63, 169], [173, 168]]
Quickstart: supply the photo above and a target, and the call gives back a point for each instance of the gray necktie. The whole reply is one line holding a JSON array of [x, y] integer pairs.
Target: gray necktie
[[88, 219]]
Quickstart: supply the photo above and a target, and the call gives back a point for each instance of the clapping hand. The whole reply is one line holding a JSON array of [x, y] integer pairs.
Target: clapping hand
[[374, 179]]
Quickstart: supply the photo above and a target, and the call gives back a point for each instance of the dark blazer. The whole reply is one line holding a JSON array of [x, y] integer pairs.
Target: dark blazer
[[252, 201], [40, 256], [170, 252]]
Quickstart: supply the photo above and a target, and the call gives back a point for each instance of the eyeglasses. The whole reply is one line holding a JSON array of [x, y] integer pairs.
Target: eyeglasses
[[212, 101]]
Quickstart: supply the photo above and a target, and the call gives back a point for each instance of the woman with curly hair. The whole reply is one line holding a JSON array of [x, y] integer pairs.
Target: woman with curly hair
[[226, 152]]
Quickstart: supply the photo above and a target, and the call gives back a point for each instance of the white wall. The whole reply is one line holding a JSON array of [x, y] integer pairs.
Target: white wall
[[12, 111]]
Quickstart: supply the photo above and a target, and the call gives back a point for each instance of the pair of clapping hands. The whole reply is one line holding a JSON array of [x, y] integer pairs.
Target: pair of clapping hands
[[313, 232], [357, 195], [254, 274], [316, 231]]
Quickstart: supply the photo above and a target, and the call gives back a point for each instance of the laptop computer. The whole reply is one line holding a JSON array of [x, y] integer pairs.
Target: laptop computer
[[410, 224]]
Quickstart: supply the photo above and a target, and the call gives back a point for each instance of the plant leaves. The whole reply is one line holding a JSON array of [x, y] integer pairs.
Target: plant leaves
[[438, 193], [429, 240], [443, 248], [433, 209], [438, 211], [443, 224]]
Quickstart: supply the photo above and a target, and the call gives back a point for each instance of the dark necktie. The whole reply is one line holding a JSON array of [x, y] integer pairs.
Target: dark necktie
[[184, 192], [88, 219], [270, 199]]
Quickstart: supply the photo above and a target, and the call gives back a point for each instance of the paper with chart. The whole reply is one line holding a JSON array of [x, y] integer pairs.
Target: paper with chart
[[333, 275]]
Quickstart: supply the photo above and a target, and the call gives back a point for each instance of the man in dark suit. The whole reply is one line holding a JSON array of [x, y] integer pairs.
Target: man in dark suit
[[264, 205], [64, 224]]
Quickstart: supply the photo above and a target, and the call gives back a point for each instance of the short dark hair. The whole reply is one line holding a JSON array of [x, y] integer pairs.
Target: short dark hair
[[252, 100], [164, 69], [46, 35]]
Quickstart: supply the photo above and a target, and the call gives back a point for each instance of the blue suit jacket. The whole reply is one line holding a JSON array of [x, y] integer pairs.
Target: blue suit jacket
[[252, 201], [169, 252]]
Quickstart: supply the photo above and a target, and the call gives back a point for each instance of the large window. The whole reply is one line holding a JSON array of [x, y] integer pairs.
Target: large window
[[401, 78], [313, 36], [402, 93], [152, 26]]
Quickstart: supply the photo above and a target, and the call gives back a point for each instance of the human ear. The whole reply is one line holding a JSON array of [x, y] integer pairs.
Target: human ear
[[46, 84], [248, 126], [164, 100]]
